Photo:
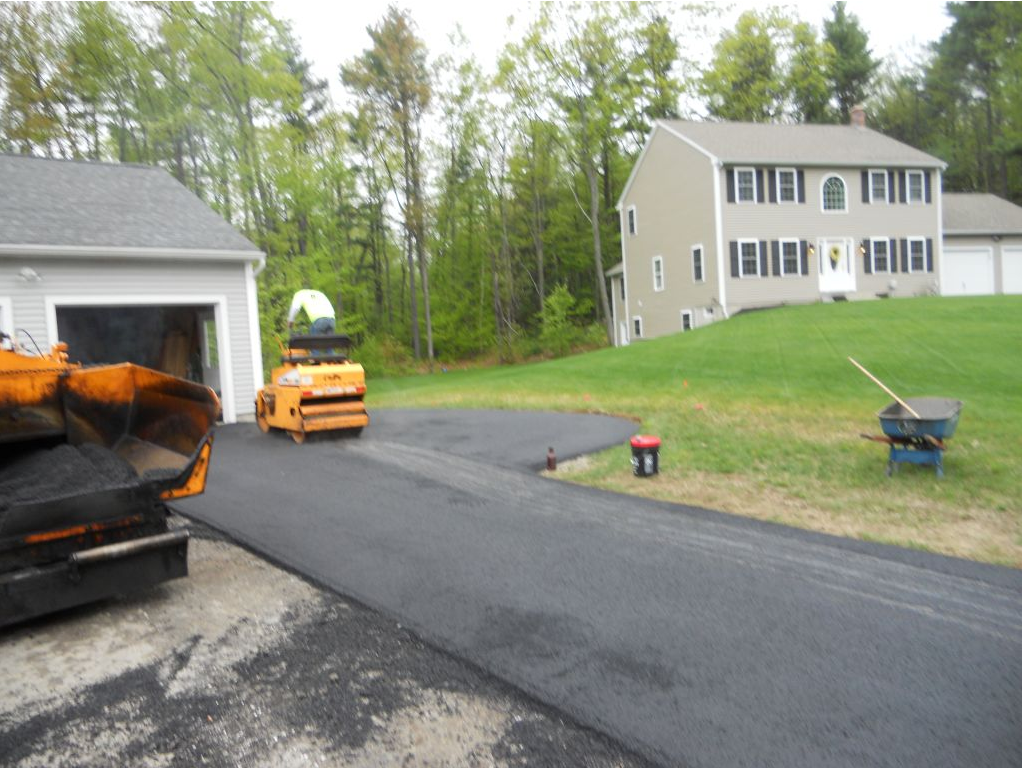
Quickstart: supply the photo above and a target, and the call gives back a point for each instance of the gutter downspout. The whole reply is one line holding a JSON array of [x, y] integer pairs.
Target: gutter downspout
[[718, 223]]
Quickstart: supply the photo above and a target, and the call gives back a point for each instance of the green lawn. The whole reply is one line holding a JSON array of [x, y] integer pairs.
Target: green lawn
[[761, 416]]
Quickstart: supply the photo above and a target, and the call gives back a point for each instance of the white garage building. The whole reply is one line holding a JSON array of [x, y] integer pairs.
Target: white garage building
[[982, 245], [124, 264]]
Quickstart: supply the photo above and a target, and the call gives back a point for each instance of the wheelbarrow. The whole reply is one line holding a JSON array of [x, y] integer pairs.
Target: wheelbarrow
[[918, 438]]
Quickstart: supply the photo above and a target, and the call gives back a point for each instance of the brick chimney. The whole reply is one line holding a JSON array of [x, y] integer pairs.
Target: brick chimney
[[858, 116]]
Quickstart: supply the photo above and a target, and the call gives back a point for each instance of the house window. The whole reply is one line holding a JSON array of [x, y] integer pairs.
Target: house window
[[878, 186], [917, 254], [745, 185], [658, 273], [748, 258], [914, 182], [880, 253], [637, 326], [834, 194], [632, 225], [686, 319], [622, 283], [787, 185], [789, 257], [697, 263]]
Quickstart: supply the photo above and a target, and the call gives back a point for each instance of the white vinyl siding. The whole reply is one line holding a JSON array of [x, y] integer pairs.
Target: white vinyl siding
[[745, 185], [878, 186], [880, 254], [94, 281], [658, 273], [834, 195]]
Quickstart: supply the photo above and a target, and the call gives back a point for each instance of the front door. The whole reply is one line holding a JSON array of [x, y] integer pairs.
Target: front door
[[837, 269]]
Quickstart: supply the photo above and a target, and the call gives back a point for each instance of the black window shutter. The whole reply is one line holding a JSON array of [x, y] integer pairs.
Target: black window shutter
[[902, 196], [763, 258], [865, 186], [734, 259], [730, 173], [760, 197], [926, 184], [890, 187], [929, 254], [906, 256], [867, 257], [775, 251], [804, 249], [801, 186], [772, 184], [894, 257]]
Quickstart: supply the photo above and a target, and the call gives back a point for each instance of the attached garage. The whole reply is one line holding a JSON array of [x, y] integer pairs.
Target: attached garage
[[967, 272], [1011, 268], [124, 264], [982, 245]]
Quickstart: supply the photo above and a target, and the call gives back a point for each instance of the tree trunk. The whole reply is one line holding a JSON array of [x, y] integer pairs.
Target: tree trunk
[[594, 216], [420, 249]]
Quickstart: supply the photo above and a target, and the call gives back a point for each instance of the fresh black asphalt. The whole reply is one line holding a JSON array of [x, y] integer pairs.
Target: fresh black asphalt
[[696, 638]]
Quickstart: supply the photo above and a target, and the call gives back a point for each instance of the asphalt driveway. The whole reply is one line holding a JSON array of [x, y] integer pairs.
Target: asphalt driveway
[[693, 637]]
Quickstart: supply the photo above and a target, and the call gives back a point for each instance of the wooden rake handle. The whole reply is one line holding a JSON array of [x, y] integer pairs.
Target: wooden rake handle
[[883, 386]]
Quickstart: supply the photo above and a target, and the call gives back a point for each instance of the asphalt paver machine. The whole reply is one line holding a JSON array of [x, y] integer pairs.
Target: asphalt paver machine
[[88, 457]]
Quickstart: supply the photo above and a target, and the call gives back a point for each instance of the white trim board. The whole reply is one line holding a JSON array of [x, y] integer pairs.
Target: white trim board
[[101, 252], [254, 330], [223, 336], [7, 315]]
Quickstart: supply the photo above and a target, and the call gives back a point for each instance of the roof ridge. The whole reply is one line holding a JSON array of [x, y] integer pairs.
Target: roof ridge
[[81, 161]]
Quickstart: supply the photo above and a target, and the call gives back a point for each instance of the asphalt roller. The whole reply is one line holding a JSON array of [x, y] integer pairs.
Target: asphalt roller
[[316, 388]]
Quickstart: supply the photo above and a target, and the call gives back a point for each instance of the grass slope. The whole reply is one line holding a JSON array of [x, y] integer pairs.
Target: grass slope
[[760, 416]]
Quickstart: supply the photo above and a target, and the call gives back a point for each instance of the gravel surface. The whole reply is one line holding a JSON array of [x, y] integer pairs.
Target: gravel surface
[[243, 664], [54, 473]]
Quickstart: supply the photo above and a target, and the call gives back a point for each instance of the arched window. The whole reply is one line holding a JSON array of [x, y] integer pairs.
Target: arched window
[[834, 194]]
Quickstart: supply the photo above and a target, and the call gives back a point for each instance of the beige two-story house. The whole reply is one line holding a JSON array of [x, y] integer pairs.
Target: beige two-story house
[[717, 218]]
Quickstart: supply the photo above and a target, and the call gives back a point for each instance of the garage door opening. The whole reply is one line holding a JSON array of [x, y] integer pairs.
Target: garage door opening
[[967, 272], [179, 340]]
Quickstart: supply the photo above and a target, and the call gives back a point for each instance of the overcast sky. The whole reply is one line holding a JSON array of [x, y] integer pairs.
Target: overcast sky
[[335, 32]]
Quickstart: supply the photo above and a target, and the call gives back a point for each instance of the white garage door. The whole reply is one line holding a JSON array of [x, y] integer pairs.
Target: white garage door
[[1011, 261], [967, 272]]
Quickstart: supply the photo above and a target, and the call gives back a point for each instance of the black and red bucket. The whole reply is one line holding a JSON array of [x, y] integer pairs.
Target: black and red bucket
[[645, 455]]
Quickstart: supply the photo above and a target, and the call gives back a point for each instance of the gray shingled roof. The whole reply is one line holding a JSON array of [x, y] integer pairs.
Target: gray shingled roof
[[809, 145], [77, 203], [981, 214]]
